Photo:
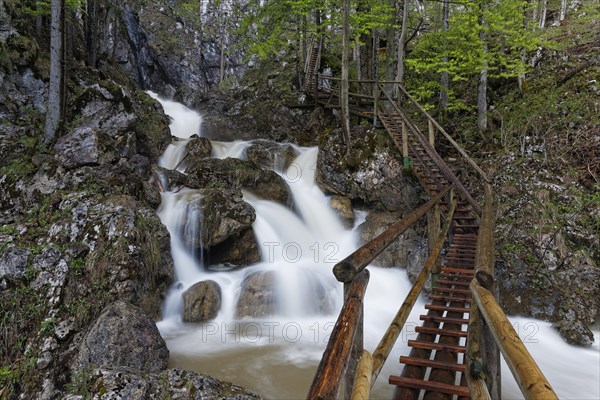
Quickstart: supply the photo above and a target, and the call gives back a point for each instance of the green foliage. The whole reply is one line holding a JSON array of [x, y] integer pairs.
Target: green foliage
[[25, 11], [275, 26], [482, 34]]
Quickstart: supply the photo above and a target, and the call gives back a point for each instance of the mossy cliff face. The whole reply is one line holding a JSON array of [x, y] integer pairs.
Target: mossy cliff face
[[162, 46], [79, 229]]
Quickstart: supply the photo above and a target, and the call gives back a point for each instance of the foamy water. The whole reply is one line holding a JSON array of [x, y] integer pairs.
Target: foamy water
[[277, 357]]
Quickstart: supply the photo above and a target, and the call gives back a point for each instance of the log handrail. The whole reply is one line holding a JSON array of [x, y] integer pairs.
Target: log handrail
[[328, 378], [446, 135], [486, 314], [529, 377], [433, 154], [349, 267], [388, 340]]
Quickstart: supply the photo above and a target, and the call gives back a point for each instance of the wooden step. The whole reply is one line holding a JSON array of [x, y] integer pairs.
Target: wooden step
[[462, 250], [441, 332], [463, 217], [449, 282], [432, 318], [451, 290], [467, 237], [453, 254], [464, 271], [421, 362], [449, 298], [447, 308], [462, 263], [466, 277], [429, 385], [437, 346], [466, 226]]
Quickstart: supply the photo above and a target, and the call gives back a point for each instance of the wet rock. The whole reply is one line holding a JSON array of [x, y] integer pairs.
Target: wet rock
[[271, 155], [13, 263], [257, 297], [238, 250], [217, 214], [343, 206], [239, 174], [170, 180], [127, 383], [197, 149], [202, 301], [370, 173], [123, 336], [398, 253], [573, 329]]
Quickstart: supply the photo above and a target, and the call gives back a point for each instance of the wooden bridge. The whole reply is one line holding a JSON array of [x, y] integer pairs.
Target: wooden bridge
[[456, 354]]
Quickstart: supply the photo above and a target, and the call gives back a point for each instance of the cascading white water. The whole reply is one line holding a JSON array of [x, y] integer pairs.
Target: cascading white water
[[277, 357]]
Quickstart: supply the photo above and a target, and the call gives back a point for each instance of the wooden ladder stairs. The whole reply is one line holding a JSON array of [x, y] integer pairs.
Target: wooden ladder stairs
[[311, 66], [436, 363]]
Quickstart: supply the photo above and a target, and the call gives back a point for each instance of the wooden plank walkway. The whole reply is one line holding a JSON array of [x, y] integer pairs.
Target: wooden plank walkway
[[435, 364]]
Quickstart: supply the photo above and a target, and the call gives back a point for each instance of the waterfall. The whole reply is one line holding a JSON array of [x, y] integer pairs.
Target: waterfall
[[300, 246]]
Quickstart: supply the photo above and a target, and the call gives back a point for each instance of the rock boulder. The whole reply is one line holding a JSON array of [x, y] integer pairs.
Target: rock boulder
[[202, 301], [257, 297], [123, 336]]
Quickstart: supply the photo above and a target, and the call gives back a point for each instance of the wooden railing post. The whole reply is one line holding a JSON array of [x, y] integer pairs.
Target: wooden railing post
[[334, 363], [405, 159], [485, 262], [529, 377], [362, 380], [375, 102], [431, 134], [433, 231], [357, 348]]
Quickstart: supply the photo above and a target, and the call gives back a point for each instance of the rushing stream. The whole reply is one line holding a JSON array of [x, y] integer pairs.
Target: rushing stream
[[277, 357]]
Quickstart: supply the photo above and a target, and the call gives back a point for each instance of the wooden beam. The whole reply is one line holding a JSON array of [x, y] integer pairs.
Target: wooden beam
[[529, 377], [362, 381], [349, 267], [327, 381]]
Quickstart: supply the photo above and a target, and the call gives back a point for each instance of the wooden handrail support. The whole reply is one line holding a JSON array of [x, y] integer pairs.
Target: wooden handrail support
[[447, 136], [440, 163], [349, 267], [362, 380], [327, 381], [388, 340], [529, 377], [483, 359]]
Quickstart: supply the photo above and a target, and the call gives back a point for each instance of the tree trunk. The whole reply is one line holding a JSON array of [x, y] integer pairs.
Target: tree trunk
[[345, 112], [444, 79], [357, 58], [91, 33], [543, 12], [391, 53], [563, 10], [402, 43], [56, 91], [482, 91]]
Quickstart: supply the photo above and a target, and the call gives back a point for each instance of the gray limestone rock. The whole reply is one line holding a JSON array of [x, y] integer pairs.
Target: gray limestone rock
[[123, 336]]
